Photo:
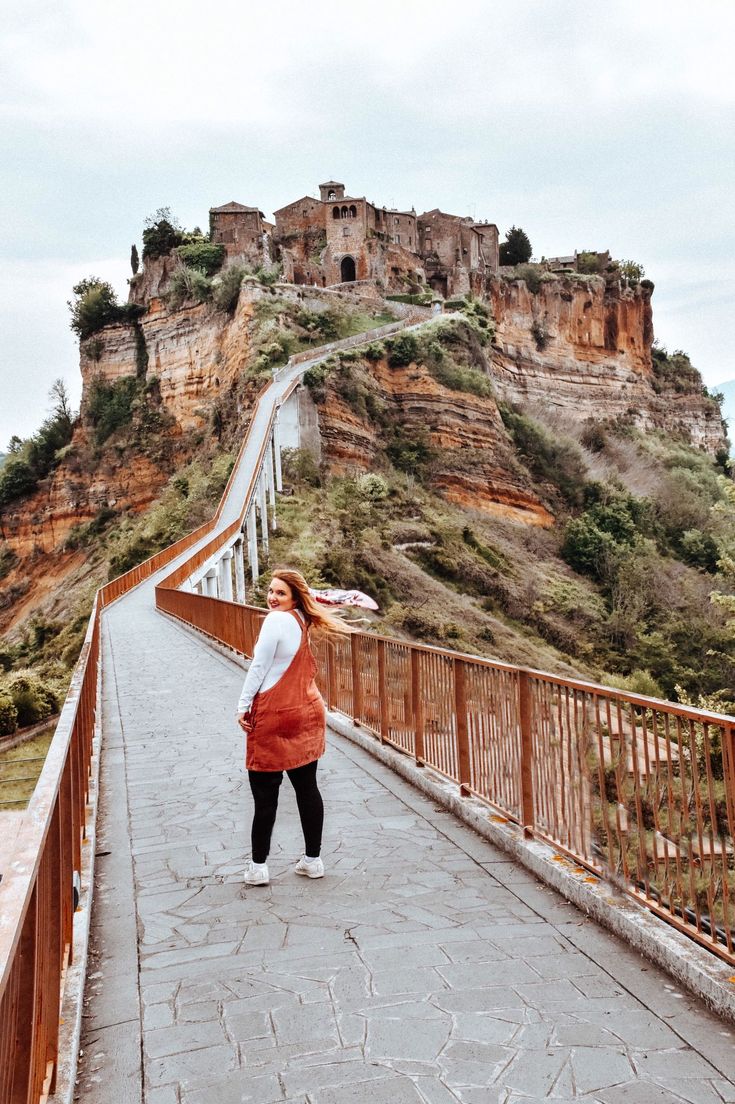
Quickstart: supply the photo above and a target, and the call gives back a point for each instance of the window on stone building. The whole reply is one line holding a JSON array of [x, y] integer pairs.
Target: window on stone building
[[344, 212], [331, 195], [335, 212], [397, 239], [396, 221], [353, 211], [346, 232]]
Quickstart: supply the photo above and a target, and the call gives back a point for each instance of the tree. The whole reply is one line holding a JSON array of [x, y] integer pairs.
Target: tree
[[94, 305], [516, 249], [162, 232], [631, 271], [134, 259], [61, 409]]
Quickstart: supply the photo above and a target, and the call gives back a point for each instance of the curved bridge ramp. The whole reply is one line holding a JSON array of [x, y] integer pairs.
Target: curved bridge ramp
[[425, 968]]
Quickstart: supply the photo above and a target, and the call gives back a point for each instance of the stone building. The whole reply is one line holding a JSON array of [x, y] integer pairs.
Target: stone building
[[339, 238], [243, 231], [458, 253]]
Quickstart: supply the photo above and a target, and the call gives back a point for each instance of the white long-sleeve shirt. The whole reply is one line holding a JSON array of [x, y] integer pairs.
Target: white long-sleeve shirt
[[278, 643]]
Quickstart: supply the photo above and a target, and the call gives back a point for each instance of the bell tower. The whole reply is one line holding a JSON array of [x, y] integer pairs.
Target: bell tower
[[331, 191]]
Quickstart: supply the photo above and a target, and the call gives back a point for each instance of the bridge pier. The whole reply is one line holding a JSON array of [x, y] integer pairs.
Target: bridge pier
[[225, 575], [239, 555]]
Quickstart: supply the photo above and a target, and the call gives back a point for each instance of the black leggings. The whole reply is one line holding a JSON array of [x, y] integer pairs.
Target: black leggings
[[264, 786]]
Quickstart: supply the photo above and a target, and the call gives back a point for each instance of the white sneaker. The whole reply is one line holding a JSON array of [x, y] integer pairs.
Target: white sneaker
[[313, 869], [257, 874]]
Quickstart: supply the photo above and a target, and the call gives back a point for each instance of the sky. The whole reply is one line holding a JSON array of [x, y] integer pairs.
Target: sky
[[591, 125]]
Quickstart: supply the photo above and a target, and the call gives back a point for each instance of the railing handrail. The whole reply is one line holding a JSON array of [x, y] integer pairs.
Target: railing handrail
[[675, 708]]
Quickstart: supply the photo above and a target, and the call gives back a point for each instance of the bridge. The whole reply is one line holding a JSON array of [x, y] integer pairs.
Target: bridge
[[436, 962]]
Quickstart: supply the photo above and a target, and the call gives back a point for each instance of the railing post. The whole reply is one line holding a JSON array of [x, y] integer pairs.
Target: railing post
[[356, 681], [417, 707], [524, 713], [383, 694], [463, 738], [331, 675]]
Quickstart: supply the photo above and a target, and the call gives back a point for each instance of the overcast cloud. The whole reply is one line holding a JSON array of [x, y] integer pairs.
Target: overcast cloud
[[590, 125]]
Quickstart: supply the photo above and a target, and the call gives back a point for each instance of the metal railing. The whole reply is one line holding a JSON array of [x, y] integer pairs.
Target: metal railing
[[635, 789], [36, 890], [638, 791]]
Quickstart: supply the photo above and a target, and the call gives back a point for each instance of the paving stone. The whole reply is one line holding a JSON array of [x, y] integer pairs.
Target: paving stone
[[238, 1087], [409, 975], [596, 1067], [638, 1092], [534, 1072], [195, 1068], [392, 1090], [182, 1037], [388, 1039], [673, 1063]]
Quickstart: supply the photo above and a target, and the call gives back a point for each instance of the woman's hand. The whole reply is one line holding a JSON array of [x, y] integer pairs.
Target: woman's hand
[[243, 719]]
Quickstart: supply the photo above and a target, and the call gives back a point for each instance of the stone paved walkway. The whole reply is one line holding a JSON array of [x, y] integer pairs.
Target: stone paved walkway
[[424, 969]]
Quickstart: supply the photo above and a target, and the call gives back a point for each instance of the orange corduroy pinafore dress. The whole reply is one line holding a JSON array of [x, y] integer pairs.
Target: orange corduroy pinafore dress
[[289, 720]]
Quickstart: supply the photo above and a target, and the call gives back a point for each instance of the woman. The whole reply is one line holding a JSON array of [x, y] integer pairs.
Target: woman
[[282, 713]]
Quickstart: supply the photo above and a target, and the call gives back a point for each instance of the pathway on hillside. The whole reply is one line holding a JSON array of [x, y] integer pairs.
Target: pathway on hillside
[[424, 968]]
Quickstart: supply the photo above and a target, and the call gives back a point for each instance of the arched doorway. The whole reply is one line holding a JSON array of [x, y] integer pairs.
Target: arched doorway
[[348, 270]]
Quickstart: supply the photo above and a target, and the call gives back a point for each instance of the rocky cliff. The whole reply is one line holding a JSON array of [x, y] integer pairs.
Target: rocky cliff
[[583, 344], [580, 345]]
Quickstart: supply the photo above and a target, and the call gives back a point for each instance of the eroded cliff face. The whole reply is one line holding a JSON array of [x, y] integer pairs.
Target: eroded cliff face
[[472, 459], [581, 346], [584, 346]]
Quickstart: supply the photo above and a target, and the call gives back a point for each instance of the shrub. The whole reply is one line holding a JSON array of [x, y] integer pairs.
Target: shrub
[[301, 466], [459, 378], [17, 478], [540, 335], [122, 560], [375, 351], [94, 305], [699, 550], [409, 449], [8, 559], [188, 283], [268, 276], [637, 682], [402, 350], [33, 699], [8, 714], [555, 460], [203, 255], [531, 276], [586, 546], [110, 405], [226, 289], [588, 262], [675, 372]]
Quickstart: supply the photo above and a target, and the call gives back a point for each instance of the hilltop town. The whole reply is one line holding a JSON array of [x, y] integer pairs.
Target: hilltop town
[[338, 239]]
